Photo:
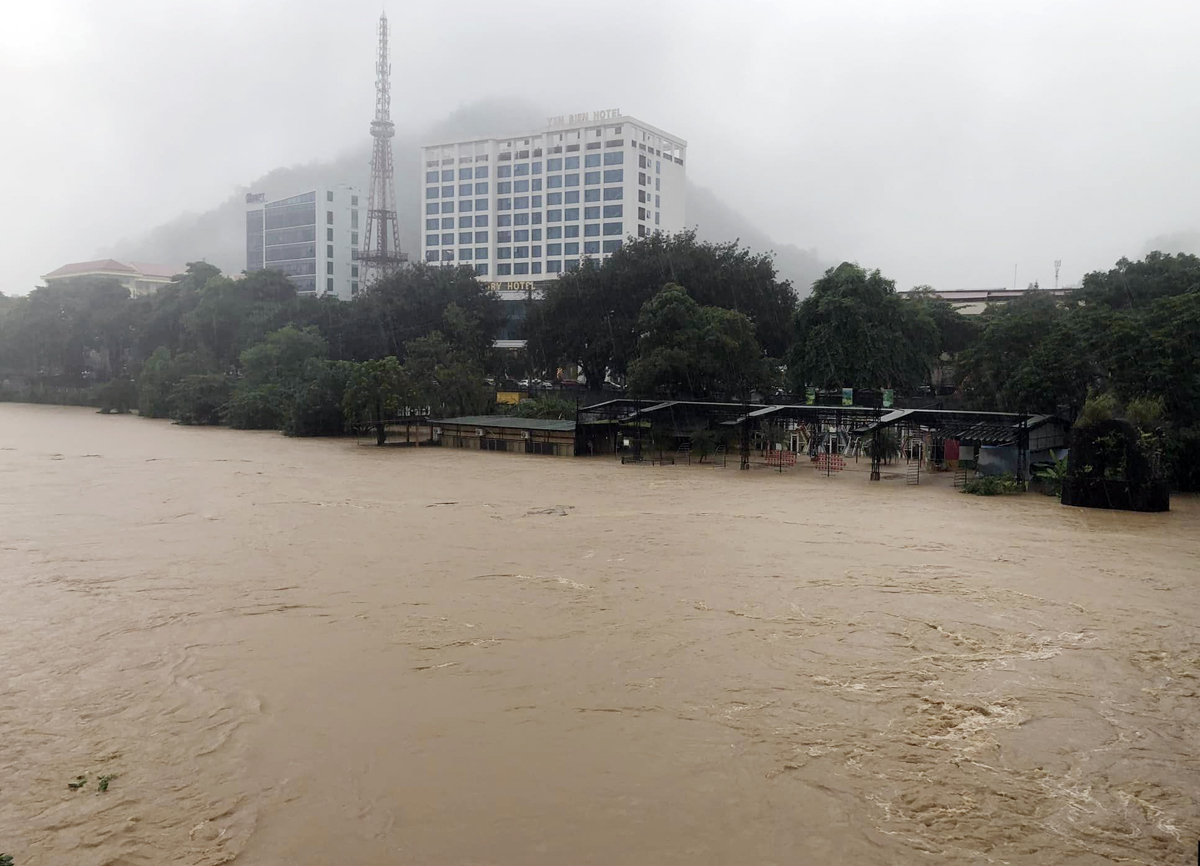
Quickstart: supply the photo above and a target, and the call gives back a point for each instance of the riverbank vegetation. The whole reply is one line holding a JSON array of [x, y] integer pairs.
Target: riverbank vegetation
[[664, 317]]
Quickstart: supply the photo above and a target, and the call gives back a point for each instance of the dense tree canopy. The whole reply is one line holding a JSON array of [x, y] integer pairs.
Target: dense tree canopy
[[689, 350], [590, 315], [855, 330]]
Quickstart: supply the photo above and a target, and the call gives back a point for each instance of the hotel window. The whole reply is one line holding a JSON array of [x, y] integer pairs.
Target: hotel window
[[592, 230], [571, 249], [431, 208], [571, 162], [465, 222], [591, 213], [614, 193], [554, 164], [481, 204], [481, 171], [641, 213], [612, 228], [329, 251], [553, 232], [554, 249], [535, 267], [592, 160], [571, 213], [521, 186], [504, 252], [520, 219], [481, 188], [447, 222], [329, 217], [520, 252], [329, 232], [521, 202], [431, 256], [431, 177], [572, 180], [354, 270], [611, 246], [329, 267], [536, 252], [480, 252], [537, 184], [537, 218], [591, 248], [447, 238], [614, 157], [504, 204], [591, 177], [481, 238], [504, 170], [536, 201], [537, 168], [466, 237], [353, 239], [656, 201], [521, 170], [447, 207], [448, 174], [521, 268], [571, 197], [537, 234], [614, 175], [554, 198], [429, 224], [503, 238], [658, 166], [554, 216], [329, 284], [464, 255], [481, 220], [504, 219], [656, 217], [504, 187], [465, 174], [503, 270], [521, 235], [613, 211], [571, 231], [447, 192], [431, 240], [464, 189], [481, 270], [553, 267], [554, 182], [591, 195]]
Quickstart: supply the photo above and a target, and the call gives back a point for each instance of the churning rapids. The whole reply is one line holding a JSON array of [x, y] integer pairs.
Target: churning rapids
[[310, 652]]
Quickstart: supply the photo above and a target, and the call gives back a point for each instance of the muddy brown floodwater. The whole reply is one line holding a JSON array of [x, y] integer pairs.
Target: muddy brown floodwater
[[311, 652]]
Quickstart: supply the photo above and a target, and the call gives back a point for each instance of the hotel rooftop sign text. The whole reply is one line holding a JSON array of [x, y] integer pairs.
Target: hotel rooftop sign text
[[584, 117]]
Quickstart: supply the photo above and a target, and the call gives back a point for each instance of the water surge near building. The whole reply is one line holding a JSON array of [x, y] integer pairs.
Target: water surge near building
[[310, 651]]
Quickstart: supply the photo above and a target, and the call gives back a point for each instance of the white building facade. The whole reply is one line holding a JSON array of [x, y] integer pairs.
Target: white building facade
[[521, 209], [312, 237]]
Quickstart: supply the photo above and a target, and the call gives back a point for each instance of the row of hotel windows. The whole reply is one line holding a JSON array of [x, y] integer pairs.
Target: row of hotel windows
[[525, 268], [557, 181], [523, 235], [590, 248], [521, 202], [571, 214], [592, 160]]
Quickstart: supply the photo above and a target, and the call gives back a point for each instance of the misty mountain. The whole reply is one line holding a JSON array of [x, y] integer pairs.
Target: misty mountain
[[218, 235]]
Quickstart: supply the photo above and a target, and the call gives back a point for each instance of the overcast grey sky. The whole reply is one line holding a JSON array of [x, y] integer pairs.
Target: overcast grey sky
[[943, 142]]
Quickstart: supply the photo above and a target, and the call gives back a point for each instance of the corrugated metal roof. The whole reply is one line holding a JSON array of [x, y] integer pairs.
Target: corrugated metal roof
[[509, 422]]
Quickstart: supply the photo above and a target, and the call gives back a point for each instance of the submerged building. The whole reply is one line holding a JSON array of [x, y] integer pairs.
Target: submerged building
[[312, 237]]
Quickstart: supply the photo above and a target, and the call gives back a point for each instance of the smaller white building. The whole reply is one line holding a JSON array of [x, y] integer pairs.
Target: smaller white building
[[312, 237], [141, 278]]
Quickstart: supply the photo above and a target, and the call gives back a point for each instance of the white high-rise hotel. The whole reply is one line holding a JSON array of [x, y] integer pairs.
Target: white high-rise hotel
[[525, 208]]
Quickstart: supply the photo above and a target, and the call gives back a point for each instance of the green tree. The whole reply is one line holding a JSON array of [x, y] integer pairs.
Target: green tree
[[200, 398], [375, 391], [589, 316], [855, 330], [686, 349], [445, 380]]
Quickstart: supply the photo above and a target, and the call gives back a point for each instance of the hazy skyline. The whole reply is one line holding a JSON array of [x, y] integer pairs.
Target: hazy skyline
[[942, 143]]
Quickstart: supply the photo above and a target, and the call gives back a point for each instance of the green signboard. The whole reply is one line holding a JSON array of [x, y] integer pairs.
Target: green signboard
[[847, 396], [889, 397]]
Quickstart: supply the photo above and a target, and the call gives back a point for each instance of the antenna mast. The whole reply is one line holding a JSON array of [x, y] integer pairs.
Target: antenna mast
[[381, 254]]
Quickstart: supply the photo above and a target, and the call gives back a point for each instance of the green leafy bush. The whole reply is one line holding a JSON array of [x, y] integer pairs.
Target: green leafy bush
[[993, 485]]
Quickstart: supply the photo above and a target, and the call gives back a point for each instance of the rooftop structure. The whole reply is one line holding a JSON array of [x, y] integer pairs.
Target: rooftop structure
[[971, 302], [140, 278]]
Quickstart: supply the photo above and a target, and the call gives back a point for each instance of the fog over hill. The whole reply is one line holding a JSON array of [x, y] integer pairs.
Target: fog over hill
[[218, 235]]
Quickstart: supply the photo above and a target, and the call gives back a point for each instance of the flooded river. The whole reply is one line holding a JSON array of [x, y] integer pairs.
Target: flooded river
[[311, 652]]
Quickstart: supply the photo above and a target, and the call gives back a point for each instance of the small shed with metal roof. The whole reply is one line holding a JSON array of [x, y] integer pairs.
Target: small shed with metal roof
[[507, 433]]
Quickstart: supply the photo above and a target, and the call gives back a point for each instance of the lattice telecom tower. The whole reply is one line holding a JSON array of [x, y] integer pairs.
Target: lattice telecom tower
[[381, 254]]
